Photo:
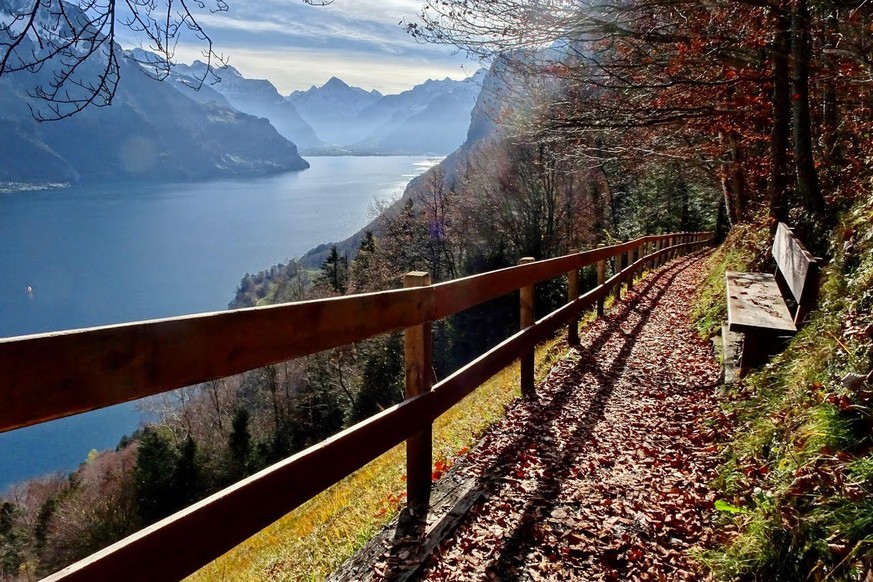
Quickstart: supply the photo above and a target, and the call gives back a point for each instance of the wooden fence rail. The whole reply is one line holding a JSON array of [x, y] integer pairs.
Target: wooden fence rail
[[49, 376]]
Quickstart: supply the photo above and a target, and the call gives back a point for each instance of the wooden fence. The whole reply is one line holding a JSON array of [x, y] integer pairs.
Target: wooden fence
[[50, 376]]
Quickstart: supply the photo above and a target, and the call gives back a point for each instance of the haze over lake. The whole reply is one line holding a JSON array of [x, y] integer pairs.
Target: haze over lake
[[106, 254]]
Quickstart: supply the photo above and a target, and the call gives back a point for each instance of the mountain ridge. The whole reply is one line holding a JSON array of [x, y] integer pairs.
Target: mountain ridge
[[152, 131], [258, 97], [419, 120]]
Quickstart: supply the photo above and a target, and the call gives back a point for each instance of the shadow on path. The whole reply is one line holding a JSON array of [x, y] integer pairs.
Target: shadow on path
[[414, 536]]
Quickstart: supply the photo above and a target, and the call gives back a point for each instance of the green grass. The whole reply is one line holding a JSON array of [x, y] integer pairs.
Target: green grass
[[314, 539], [796, 482]]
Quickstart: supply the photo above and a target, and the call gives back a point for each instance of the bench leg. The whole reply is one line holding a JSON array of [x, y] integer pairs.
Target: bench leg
[[757, 348]]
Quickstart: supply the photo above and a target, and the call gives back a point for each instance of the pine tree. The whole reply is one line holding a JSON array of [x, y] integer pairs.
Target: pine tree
[[239, 444], [188, 471], [382, 378], [335, 271], [156, 477], [10, 542]]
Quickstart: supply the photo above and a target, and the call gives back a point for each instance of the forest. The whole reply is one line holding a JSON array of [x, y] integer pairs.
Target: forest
[[612, 120]]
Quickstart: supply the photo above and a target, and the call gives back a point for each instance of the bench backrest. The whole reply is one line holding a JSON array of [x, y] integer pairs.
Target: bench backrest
[[797, 270]]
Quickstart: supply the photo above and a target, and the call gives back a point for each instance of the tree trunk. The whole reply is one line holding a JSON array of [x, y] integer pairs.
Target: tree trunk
[[733, 182], [830, 111], [780, 134], [721, 226], [684, 200], [804, 161]]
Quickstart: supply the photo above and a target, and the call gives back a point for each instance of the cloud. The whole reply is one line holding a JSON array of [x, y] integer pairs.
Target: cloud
[[300, 68], [296, 45], [363, 22], [221, 20], [352, 11]]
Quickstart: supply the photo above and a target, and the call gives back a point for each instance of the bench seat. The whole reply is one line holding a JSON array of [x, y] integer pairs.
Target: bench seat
[[755, 304]]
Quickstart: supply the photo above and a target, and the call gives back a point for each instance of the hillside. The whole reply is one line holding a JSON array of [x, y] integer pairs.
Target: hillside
[[796, 484], [151, 131], [483, 132], [256, 97]]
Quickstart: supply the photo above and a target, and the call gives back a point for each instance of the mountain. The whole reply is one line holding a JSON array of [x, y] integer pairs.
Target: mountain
[[253, 96], [429, 118], [151, 131], [336, 95], [481, 126], [331, 109]]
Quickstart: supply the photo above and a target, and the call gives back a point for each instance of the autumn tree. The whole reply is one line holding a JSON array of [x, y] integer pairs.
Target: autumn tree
[[99, 507], [729, 90], [420, 232]]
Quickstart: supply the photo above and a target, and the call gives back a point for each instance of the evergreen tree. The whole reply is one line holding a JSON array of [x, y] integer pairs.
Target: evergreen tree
[[383, 377], [318, 411], [239, 444], [43, 518], [188, 471], [361, 272], [156, 477], [335, 271], [10, 542]]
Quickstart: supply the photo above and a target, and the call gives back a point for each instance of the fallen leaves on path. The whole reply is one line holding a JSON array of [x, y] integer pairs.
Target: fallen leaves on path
[[604, 475]]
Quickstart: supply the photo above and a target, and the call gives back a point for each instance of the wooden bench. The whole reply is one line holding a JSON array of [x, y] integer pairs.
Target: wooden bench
[[769, 308]]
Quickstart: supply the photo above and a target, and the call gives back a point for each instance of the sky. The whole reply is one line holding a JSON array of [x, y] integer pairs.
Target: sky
[[296, 45]]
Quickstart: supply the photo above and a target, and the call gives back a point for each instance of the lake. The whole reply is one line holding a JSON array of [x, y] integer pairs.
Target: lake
[[108, 254]]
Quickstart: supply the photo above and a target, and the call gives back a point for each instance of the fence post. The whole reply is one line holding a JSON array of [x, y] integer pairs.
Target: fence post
[[526, 297], [601, 278], [644, 250], [572, 295], [418, 356], [630, 261], [616, 262]]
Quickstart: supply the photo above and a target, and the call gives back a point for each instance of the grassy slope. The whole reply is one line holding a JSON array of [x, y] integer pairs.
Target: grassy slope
[[797, 481], [316, 538]]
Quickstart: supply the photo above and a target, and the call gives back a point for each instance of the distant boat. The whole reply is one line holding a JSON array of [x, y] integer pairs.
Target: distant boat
[[29, 290]]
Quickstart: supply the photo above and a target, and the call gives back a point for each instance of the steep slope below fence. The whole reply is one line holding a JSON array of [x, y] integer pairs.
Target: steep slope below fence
[[313, 540]]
